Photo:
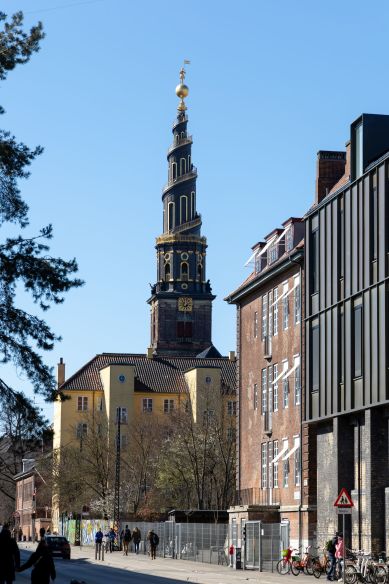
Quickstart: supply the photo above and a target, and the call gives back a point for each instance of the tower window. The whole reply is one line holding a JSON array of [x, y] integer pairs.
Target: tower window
[[170, 225], [184, 209], [174, 171], [184, 271], [184, 330], [200, 272], [167, 272], [193, 203], [183, 166]]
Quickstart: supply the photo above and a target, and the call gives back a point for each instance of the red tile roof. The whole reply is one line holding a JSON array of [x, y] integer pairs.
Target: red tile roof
[[159, 374]]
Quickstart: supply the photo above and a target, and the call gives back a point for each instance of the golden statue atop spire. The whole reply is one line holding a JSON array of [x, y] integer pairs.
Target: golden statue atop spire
[[182, 90]]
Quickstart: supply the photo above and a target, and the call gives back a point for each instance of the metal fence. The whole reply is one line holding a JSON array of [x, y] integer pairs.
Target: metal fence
[[199, 542]]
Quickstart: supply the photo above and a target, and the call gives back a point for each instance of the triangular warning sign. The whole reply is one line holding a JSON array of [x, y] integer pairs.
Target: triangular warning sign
[[344, 499]]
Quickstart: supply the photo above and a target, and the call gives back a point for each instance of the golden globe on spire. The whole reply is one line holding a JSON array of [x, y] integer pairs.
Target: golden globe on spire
[[182, 90]]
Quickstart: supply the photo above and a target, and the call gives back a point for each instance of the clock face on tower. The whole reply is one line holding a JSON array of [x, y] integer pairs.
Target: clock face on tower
[[185, 304]]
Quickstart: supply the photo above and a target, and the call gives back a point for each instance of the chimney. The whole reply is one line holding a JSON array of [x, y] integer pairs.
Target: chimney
[[330, 168], [231, 355], [60, 372], [347, 170], [150, 352]]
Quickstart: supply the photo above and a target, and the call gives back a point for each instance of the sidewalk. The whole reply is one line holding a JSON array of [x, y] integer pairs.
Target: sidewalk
[[183, 570]]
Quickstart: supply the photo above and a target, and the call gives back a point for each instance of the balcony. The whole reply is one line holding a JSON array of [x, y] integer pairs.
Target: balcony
[[175, 181], [180, 142]]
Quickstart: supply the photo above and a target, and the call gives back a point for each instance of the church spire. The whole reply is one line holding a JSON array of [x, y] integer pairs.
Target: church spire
[[181, 301]]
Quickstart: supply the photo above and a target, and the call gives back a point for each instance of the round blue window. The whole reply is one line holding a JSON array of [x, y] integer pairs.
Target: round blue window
[[122, 378]]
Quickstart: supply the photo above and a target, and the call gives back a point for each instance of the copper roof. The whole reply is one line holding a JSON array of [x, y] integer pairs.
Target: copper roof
[[158, 375]]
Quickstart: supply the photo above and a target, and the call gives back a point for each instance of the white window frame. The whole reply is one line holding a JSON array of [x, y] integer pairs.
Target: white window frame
[[285, 307], [255, 324], [264, 317], [297, 381], [82, 430], [168, 406], [297, 462], [297, 300], [231, 408], [275, 388], [285, 386], [264, 391], [275, 312], [275, 464], [264, 468], [285, 465], [147, 405], [83, 402], [255, 396]]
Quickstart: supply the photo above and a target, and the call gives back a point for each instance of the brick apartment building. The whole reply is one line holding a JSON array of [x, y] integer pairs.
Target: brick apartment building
[[347, 358], [272, 444]]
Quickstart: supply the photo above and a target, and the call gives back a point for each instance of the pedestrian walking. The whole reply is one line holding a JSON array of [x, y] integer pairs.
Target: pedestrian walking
[[126, 540], [111, 537], [331, 549], [339, 555], [153, 541], [136, 538], [9, 556], [42, 562]]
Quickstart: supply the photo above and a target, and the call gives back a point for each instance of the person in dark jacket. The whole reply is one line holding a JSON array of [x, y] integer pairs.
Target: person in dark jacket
[[136, 538], [9, 556], [43, 563], [331, 549]]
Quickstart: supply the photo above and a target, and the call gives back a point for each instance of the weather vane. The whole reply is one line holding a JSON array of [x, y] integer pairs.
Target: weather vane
[[182, 90]]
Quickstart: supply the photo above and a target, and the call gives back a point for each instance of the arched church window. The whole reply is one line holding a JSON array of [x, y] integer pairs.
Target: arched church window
[[184, 208], [174, 171], [184, 270], [167, 272], [200, 272], [193, 204], [170, 225], [183, 166]]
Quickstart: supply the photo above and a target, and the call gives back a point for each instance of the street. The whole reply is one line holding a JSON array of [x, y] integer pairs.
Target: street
[[141, 570]]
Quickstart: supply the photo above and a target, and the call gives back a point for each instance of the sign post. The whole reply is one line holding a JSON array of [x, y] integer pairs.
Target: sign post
[[344, 507]]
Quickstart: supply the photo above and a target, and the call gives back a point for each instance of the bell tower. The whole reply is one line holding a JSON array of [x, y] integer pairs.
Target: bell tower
[[181, 299]]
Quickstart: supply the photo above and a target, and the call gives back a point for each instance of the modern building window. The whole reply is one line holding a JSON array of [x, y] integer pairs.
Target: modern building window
[[275, 388], [147, 405], [285, 464], [231, 408], [297, 463], [264, 390], [358, 144], [82, 403], [315, 355], [341, 238], [358, 338], [275, 464], [314, 264], [168, 406], [297, 300], [297, 382], [285, 387], [374, 217], [341, 345], [275, 312], [255, 397], [264, 464], [285, 307], [255, 324], [264, 317]]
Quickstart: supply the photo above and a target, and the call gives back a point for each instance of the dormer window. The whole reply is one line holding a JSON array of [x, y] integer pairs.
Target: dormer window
[[272, 254], [289, 239]]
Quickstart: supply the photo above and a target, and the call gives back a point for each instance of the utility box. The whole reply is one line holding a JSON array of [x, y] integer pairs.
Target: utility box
[[238, 558]]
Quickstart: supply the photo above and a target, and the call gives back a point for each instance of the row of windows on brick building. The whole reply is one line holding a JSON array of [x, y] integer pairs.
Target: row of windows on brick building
[[275, 462], [270, 309], [271, 380]]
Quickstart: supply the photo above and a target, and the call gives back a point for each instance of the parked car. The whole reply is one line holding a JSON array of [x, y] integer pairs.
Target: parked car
[[59, 546]]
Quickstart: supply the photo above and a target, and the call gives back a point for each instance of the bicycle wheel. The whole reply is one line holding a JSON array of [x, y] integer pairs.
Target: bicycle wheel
[[308, 566], [350, 575], [317, 568], [380, 575], [283, 567], [295, 567]]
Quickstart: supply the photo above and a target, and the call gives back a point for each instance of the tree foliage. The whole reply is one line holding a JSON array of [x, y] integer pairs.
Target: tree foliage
[[25, 261]]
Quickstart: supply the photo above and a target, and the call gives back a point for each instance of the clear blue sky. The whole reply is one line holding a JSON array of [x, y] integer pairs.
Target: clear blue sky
[[270, 82]]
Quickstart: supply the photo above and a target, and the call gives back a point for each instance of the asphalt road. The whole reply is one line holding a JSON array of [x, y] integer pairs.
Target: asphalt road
[[118, 569], [82, 569]]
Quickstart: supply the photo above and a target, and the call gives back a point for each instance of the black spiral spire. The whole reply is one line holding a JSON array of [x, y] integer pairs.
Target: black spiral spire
[[181, 301]]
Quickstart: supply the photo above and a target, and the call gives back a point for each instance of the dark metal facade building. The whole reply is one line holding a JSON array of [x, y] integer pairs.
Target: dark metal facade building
[[346, 331]]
